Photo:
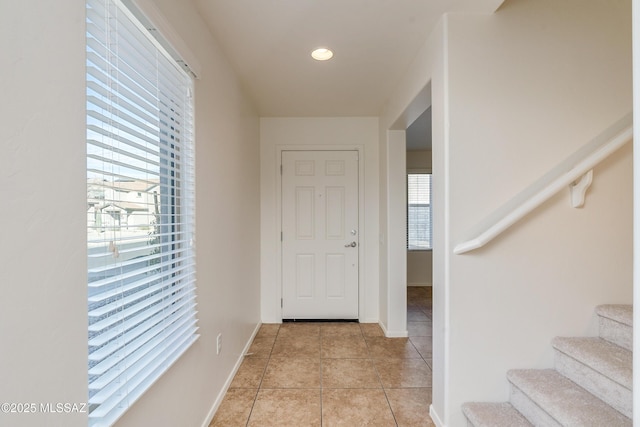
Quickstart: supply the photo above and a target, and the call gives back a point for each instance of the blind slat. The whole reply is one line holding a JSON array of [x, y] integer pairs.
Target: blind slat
[[98, 71], [145, 260], [174, 274], [99, 94], [127, 330], [124, 239], [126, 123], [125, 313], [129, 149], [113, 358]]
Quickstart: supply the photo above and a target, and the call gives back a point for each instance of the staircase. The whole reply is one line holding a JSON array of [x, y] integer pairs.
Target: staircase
[[590, 385]]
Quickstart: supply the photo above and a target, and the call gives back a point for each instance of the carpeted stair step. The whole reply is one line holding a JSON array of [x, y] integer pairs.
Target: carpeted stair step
[[547, 398], [493, 415], [616, 324], [602, 368]]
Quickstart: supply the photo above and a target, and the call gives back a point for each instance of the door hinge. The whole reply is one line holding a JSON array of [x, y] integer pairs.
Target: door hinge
[[281, 303], [280, 169], [281, 237]]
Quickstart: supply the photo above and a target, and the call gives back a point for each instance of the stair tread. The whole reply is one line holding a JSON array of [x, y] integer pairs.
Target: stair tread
[[622, 313], [610, 360], [564, 400], [503, 414]]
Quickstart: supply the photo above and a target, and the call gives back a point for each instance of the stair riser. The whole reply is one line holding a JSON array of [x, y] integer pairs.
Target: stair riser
[[614, 394], [530, 410], [616, 333], [497, 414]]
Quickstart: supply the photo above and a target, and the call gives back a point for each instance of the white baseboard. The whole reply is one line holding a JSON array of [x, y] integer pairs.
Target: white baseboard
[[218, 401], [434, 416], [393, 334]]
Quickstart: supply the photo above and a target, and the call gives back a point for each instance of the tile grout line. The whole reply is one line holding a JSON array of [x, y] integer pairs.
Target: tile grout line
[[255, 398], [375, 367]]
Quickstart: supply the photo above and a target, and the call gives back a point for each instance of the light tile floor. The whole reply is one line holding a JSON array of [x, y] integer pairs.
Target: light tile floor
[[335, 374]]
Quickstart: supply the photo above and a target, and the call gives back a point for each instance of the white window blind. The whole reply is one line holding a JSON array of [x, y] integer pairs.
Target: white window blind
[[419, 227], [140, 210]]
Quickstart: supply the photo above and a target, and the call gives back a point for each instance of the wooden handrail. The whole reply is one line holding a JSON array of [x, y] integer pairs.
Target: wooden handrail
[[558, 178]]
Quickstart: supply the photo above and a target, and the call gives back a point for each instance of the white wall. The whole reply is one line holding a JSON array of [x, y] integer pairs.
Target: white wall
[[419, 263], [394, 323], [43, 316], [419, 268], [276, 133], [636, 203], [419, 160], [423, 85], [546, 78]]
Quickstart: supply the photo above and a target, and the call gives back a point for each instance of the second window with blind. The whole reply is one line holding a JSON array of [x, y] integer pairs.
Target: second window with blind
[[419, 226]]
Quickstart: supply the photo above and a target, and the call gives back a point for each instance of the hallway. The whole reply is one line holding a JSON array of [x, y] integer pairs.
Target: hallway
[[332, 374]]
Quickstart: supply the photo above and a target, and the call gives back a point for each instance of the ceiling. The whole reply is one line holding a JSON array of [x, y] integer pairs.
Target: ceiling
[[269, 42]]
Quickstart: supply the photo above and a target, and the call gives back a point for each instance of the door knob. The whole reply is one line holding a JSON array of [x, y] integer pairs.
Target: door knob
[[351, 245]]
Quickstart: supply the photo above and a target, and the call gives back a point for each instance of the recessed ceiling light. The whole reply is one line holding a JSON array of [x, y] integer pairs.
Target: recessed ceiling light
[[322, 54]]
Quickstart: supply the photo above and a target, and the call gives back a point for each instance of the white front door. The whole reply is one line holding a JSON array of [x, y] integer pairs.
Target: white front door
[[320, 235]]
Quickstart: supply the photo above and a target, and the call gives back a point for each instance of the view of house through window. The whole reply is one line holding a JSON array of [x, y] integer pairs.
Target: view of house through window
[[140, 210], [419, 228]]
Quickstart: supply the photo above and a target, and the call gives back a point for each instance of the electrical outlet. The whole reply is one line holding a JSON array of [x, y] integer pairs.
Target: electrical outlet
[[219, 344]]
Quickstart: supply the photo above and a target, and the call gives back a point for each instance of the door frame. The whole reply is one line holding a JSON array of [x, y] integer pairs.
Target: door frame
[[361, 224]]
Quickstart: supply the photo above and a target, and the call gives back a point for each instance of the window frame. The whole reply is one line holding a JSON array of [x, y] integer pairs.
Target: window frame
[[149, 318]]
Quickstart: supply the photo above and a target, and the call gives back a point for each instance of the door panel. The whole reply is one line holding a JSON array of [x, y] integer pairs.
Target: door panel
[[320, 241], [305, 275], [335, 213], [335, 276], [305, 213]]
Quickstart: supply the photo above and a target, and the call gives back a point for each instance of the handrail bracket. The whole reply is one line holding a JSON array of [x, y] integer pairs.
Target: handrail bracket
[[579, 189]]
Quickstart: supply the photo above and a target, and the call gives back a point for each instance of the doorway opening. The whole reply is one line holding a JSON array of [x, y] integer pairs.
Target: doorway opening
[[412, 263], [420, 233], [419, 211]]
